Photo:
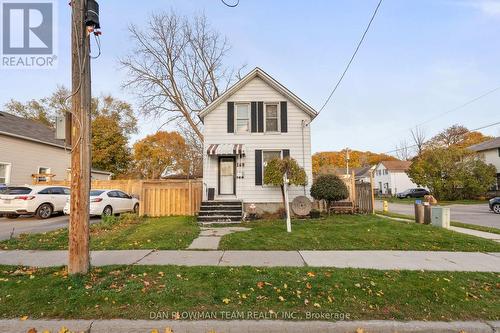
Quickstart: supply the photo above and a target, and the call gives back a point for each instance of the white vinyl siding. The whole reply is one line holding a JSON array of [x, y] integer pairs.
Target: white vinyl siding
[[25, 157], [215, 132]]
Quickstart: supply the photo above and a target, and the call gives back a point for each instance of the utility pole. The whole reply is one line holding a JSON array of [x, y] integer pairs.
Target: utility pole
[[347, 161], [79, 256]]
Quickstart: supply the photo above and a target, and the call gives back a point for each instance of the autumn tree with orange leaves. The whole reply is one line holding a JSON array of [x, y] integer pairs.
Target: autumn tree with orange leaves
[[159, 152]]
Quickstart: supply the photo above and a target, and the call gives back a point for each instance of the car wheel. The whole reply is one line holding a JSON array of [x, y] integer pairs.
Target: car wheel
[[408, 196], [108, 211], [44, 211], [11, 216], [496, 208], [136, 208]]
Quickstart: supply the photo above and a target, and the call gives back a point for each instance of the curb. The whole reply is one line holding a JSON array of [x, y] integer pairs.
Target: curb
[[233, 326]]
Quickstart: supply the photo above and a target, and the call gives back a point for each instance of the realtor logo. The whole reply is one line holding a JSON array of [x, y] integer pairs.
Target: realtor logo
[[27, 34]]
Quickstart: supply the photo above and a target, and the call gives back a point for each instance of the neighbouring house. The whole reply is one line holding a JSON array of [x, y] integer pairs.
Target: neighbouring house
[[361, 174], [390, 177], [254, 121], [489, 152], [28, 148]]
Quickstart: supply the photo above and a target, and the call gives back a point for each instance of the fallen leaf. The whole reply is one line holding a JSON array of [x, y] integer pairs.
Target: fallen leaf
[[23, 318], [226, 300], [32, 330], [311, 274]]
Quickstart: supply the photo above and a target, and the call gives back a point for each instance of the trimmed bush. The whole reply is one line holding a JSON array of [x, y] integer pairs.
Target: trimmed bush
[[329, 188]]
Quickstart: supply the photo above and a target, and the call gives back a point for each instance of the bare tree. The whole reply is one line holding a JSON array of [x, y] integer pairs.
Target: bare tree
[[402, 150], [418, 137], [177, 67]]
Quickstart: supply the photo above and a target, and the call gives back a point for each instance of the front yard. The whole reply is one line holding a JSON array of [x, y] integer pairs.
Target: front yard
[[338, 232], [125, 232], [352, 232], [137, 291]]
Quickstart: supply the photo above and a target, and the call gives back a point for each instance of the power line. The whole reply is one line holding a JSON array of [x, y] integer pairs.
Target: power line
[[414, 146], [352, 57], [456, 108], [461, 106], [231, 5]]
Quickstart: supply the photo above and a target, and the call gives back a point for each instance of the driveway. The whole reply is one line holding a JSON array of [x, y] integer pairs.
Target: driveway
[[31, 225], [472, 214]]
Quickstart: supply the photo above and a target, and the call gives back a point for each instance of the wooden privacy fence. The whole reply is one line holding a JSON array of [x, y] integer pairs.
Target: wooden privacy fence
[[361, 194], [173, 197], [157, 197]]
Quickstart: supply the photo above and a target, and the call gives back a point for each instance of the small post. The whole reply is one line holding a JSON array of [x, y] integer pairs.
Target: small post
[[287, 204]]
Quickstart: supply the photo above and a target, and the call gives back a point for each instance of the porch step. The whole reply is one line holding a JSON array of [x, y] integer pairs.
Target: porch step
[[220, 212], [219, 218]]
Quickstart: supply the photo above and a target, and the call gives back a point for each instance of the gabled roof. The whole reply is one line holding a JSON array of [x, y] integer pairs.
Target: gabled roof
[[396, 165], [490, 144], [257, 72], [28, 130]]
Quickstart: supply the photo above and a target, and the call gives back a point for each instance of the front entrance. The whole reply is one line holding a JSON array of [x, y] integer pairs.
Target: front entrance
[[227, 175]]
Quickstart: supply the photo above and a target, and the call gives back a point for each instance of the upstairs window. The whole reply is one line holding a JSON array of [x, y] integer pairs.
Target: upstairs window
[[272, 118], [242, 117]]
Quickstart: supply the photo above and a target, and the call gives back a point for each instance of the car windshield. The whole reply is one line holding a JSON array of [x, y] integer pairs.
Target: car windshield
[[96, 193], [16, 190]]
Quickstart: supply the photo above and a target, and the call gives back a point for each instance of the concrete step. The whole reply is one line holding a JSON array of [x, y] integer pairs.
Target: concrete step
[[220, 212], [222, 203], [221, 207], [219, 218]]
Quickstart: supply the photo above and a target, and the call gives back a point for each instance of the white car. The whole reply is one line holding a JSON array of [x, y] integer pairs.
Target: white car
[[42, 201], [109, 202]]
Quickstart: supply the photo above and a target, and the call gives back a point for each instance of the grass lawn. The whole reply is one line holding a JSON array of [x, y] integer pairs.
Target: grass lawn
[[453, 223], [126, 232], [135, 291], [352, 232], [442, 203]]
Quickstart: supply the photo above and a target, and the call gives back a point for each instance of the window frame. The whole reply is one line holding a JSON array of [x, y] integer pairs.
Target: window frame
[[278, 117], [43, 179], [263, 165], [249, 116], [8, 169]]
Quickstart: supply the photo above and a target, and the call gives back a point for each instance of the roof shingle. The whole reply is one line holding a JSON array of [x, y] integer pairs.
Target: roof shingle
[[490, 144], [28, 129], [396, 165]]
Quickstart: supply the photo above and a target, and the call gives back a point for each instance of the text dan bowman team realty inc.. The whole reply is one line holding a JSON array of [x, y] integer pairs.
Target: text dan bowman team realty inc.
[[247, 315]]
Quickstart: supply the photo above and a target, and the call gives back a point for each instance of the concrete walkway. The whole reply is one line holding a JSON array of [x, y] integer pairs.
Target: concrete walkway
[[477, 233], [382, 260], [209, 238], [466, 231], [249, 326]]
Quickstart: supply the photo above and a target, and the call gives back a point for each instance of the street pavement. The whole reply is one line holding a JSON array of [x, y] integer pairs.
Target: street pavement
[[31, 225], [381, 260], [472, 214], [248, 326]]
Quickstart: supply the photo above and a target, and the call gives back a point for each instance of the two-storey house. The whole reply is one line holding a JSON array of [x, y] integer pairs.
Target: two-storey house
[[489, 152], [254, 121]]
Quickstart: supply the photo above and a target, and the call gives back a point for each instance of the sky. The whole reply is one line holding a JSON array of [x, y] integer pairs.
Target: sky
[[420, 58]]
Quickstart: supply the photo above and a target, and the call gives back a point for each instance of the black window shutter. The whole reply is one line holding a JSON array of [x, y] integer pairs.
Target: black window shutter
[[260, 116], [253, 115], [286, 153], [230, 117], [284, 117], [258, 167]]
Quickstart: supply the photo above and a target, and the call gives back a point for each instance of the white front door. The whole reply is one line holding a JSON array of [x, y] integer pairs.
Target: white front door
[[226, 175]]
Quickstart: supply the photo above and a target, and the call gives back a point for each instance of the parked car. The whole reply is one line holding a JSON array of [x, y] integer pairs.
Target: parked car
[[413, 193], [42, 201], [2, 187], [495, 205], [109, 202]]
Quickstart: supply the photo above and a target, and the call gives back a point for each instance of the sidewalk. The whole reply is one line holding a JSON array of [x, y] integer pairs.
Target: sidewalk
[[249, 326], [382, 260]]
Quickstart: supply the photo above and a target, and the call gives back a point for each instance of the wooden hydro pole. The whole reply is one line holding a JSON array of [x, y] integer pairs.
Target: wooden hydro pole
[[79, 256]]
